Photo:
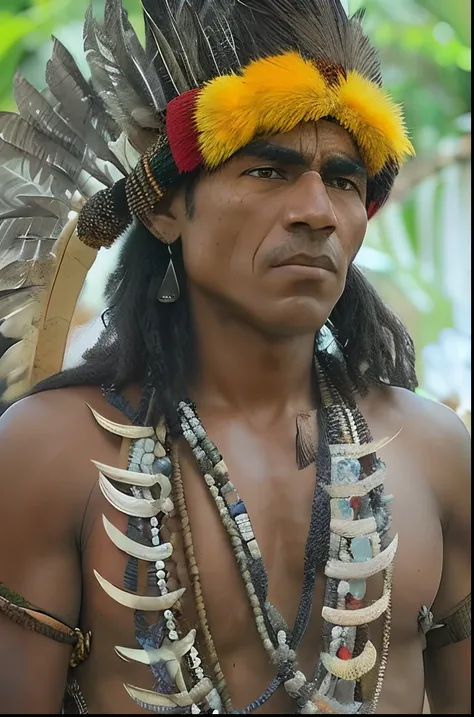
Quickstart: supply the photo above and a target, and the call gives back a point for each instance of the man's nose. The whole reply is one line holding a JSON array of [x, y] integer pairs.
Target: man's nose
[[308, 205]]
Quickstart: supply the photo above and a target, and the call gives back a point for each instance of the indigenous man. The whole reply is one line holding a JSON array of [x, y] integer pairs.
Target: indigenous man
[[197, 519]]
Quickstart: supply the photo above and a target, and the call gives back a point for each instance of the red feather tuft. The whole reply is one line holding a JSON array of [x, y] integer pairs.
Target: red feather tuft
[[372, 209], [182, 132]]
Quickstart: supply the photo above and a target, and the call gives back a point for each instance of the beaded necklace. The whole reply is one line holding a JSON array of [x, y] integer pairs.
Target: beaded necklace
[[279, 642], [348, 495]]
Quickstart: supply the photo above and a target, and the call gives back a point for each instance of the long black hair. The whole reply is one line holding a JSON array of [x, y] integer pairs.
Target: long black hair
[[150, 343]]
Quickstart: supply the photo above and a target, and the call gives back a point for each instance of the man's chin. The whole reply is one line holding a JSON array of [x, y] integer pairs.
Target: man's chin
[[293, 317]]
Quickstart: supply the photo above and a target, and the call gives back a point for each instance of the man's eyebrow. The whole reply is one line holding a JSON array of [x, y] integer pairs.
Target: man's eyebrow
[[345, 165], [341, 163], [261, 149]]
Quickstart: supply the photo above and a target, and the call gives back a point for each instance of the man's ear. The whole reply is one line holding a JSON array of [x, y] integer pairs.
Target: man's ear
[[164, 223]]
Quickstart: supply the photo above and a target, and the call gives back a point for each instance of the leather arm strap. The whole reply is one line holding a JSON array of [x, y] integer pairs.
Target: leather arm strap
[[38, 621], [453, 628]]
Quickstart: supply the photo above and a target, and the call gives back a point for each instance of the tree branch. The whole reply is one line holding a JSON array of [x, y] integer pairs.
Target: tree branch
[[417, 170]]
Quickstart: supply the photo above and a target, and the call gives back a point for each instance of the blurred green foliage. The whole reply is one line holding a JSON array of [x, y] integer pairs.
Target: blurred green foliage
[[424, 44]]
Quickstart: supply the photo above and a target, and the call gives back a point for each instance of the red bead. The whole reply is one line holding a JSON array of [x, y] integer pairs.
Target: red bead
[[353, 604], [343, 653], [354, 503]]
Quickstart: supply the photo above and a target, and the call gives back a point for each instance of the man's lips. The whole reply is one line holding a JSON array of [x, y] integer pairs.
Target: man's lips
[[323, 261]]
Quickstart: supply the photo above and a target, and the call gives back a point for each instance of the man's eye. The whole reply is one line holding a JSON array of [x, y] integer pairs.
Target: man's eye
[[341, 183], [264, 173]]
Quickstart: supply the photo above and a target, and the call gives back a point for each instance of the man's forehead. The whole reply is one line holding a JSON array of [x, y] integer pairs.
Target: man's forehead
[[313, 138]]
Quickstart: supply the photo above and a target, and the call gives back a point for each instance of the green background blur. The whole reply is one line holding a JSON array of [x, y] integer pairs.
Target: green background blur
[[417, 252]]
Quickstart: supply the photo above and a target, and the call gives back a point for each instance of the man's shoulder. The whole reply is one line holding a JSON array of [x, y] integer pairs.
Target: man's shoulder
[[51, 418], [425, 418], [433, 434], [48, 441]]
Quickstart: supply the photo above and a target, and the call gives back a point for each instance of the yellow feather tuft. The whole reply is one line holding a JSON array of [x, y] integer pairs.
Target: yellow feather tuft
[[287, 90], [274, 94], [225, 117], [374, 120]]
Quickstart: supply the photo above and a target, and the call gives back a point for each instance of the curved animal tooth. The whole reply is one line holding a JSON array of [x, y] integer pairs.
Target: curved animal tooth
[[359, 450], [149, 657], [169, 651], [137, 507], [179, 648], [352, 618], [181, 699], [359, 488], [175, 673], [167, 505], [139, 602], [160, 451], [156, 699], [165, 485], [329, 705], [353, 528], [149, 699], [151, 553], [143, 480], [214, 701], [201, 690], [129, 654], [120, 430], [341, 570], [354, 668], [160, 431]]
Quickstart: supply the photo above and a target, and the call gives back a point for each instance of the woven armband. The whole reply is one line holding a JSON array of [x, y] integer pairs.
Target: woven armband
[[20, 611], [453, 628]]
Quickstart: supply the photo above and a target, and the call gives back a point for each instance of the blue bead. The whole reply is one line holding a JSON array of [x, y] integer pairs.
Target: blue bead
[[348, 471], [358, 588], [361, 549], [162, 465], [345, 510], [237, 508]]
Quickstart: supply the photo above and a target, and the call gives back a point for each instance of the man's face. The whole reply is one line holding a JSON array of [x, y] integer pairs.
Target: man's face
[[275, 229]]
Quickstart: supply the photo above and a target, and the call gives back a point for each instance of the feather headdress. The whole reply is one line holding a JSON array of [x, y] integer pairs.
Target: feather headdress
[[212, 75]]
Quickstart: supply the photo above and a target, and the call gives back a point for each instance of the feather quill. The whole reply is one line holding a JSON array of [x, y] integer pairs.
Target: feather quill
[[78, 104], [131, 58], [173, 80], [25, 175], [112, 86], [175, 41], [14, 130], [35, 109]]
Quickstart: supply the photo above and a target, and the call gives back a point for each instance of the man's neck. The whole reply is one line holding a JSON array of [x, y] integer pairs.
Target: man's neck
[[241, 367]]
